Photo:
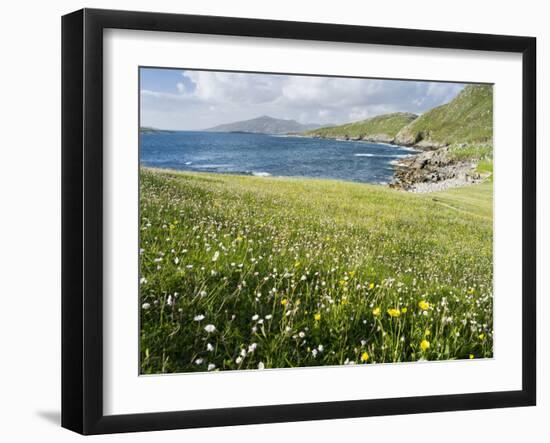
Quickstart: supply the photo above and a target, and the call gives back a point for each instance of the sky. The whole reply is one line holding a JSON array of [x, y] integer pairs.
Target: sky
[[193, 100]]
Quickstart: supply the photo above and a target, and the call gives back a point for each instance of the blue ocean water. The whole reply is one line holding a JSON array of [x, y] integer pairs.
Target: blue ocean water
[[263, 155]]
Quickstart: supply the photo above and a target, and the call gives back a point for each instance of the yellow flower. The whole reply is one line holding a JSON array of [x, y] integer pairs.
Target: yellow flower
[[239, 238], [344, 301], [317, 317], [284, 301], [392, 312], [424, 305], [424, 345], [371, 286], [376, 312], [364, 356], [404, 310], [296, 264], [351, 273], [471, 356], [427, 332], [481, 336], [343, 282]]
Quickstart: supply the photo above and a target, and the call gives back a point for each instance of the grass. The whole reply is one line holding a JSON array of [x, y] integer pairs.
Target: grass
[[468, 118], [242, 272], [387, 126]]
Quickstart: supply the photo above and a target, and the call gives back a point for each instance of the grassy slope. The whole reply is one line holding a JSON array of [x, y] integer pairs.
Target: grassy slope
[[387, 125], [468, 118], [319, 257]]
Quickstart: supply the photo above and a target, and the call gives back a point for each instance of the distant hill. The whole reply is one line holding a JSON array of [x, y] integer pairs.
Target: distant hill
[[382, 128], [264, 125], [467, 119], [146, 129]]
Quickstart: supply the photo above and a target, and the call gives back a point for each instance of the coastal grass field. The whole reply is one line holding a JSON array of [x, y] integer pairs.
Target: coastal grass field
[[242, 272]]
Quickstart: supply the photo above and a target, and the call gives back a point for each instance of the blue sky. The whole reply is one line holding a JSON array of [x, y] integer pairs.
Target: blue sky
[[194, 100]]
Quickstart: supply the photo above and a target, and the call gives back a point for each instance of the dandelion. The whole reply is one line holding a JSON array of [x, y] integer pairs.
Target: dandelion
[[371, 286], [424, 345], [211, 366], [481, 336], [424, 305], [472, 356], [376, 311], [146, 306], [392, 312], [317, 317], [364, 356], [199, 317], [284, 301], [209, 328]]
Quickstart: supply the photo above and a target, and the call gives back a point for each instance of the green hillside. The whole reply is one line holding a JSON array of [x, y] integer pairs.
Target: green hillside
[[241, 272], [381, 128], [468, 118]]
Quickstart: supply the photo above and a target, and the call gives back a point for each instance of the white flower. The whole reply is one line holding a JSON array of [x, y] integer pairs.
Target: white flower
[[199, 361], [199, 317], [268, 317], [146, 305], [320, 348], [169, 300], [176, 260], [142, 280], [211, 366], [314, 352], [238, 360], [203, 293], [255, 317], [243, 353], [210, 328], [252, 347], [209, 347], [216, 256], [303, 277], [261, 366], [301, 334]]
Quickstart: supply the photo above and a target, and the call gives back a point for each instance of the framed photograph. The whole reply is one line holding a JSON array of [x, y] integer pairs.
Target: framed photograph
[[269, 221]]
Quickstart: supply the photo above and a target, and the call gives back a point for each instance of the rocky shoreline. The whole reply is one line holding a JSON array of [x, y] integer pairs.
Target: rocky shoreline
[[432, 171]]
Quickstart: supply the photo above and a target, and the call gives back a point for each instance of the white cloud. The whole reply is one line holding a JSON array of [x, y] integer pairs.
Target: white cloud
[[206, 98]]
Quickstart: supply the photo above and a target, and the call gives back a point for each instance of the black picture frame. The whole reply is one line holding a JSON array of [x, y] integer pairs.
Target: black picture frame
[[82, 218]]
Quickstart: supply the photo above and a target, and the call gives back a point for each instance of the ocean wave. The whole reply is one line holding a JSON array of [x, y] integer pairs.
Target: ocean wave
[[261, 174], [382, 155]]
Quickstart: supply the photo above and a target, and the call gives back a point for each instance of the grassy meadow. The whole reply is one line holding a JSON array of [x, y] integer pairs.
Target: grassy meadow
[[242, 272]]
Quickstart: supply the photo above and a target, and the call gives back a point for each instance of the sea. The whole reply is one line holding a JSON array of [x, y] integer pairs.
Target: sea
[[271, 155]]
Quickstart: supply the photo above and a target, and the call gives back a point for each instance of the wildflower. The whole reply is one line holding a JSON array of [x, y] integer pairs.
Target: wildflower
[[199, 317], [404, 310], [211, 366], [427, 332], [320, 348], [209, 347], [268, 317], [371, 286], [255, 317], [146, 306], [176, 260], [314, 353], [239, 360], [364, 356], [301, 334], [203, 293], [261, 366], [424, 305], [252, 347], [481, 336], [142, 280], [424, 345], [472, 356], [376, 311], [209, 328], [392, 312], [317, 317], [216, 256], [284, 301], [199, 361]]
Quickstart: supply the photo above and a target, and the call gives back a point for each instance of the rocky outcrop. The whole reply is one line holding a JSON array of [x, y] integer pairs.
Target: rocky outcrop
[[434, 170]]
